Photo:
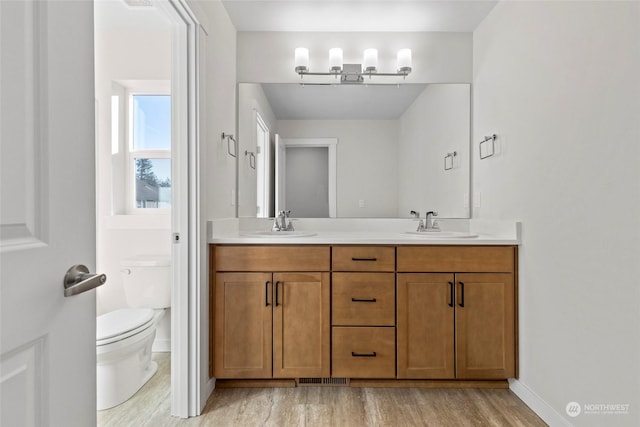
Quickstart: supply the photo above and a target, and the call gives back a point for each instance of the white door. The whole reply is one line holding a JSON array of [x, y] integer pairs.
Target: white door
[[281, 166], [47, 212], [262, 167]]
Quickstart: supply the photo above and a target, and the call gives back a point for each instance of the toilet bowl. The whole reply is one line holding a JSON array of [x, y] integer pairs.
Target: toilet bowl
[[123, 354], [124, 337]]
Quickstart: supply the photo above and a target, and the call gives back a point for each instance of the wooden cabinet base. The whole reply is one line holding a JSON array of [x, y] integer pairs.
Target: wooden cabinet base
[[370, 383], [256, 383]]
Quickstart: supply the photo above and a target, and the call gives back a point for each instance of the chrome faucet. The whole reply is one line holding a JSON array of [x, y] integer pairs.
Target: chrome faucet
[[430, 224], [282, 222], [421, 223]]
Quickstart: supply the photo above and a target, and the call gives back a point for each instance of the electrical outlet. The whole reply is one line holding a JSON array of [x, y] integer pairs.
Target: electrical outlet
[[362, 203]]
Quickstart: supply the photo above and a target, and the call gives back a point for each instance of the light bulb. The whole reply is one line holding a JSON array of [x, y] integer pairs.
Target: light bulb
[[370, 62], [302, 59], [335, 59], [404, 61]]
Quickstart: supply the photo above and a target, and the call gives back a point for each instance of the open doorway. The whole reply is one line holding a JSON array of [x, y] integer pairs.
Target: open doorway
[[133, 60], [146, 115], [306, 176]]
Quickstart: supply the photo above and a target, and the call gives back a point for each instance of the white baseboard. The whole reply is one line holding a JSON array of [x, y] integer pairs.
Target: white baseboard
[[206, 392], [538, 405], [161, 346]]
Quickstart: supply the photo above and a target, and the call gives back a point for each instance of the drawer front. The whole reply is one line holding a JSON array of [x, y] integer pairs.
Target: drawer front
[[363, 352], [271, 258], [363, 258], [363, 299], [459, 259]]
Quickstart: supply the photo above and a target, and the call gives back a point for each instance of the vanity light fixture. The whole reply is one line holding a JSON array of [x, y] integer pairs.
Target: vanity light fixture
[[352, 73]]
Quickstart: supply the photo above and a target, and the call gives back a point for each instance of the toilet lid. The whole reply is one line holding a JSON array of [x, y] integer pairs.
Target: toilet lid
[[121, 321]]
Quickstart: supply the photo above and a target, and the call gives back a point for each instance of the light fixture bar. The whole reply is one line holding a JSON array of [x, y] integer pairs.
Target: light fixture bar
[[353, 73], [363, 73]]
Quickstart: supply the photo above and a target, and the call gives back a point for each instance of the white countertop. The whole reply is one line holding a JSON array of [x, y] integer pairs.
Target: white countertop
[[486, 233]]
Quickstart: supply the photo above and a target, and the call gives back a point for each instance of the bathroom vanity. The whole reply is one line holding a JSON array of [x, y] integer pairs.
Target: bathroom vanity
[[378, 310]]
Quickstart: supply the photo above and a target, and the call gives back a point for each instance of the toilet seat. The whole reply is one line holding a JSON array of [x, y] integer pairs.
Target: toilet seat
[[123, 323]]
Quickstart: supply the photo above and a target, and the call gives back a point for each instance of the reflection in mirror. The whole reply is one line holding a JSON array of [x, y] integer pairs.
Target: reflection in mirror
[[391, 142]]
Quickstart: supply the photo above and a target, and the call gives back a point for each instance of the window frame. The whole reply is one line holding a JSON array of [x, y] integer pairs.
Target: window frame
[[132, 154]]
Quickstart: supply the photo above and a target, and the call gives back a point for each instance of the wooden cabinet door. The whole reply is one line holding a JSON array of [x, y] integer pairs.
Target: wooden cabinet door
[[242, 325], [301, 325], [425, 347], [485, 326]]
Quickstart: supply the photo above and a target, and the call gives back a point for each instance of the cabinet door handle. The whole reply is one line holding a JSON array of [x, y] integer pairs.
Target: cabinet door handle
[[461, 294], [451, 294], [363, 300], [354, 354], [266, 293], [277, 298], [363, 259]]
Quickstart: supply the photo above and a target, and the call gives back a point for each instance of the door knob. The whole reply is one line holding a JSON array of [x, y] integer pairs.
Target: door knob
[[78, 280]]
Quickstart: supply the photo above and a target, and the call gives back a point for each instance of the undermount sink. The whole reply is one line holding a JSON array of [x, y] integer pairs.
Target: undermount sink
[[442, 234], [279, 234]]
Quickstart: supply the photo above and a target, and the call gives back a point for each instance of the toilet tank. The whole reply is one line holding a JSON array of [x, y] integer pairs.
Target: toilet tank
[[147, 281]]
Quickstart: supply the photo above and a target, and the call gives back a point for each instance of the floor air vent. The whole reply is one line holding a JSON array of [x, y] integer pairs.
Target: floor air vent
[[318, 382]]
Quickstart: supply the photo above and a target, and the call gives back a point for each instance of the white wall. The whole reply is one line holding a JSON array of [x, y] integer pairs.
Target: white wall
[[267, 57], [437, 123], [218, 107], [251, 98], [366, 162], [125, 55], [558, 83]]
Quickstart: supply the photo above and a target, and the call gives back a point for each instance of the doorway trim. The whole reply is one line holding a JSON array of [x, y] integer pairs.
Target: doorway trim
[[332, 145], [186, 399]]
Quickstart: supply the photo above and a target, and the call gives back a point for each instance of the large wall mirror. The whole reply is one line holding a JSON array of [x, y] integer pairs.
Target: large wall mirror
[[353, 151]]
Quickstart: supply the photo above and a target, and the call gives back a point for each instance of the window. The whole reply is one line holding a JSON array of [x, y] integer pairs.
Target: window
[[150, 151]]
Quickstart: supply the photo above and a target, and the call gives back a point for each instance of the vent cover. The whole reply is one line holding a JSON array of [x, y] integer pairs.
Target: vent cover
[[319, 382]]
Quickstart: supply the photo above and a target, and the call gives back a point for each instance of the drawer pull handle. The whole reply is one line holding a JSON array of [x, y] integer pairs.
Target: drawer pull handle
[[364, 259], [277, 298], [354, 354], [461, 294], [266, 293], [450, 294], [363, 300]]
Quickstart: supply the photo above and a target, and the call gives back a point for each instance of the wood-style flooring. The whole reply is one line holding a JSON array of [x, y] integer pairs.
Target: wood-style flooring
[[324, 406]]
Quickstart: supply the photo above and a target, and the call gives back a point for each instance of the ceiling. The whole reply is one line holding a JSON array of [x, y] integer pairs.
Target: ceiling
[[117, 14], [358, 15]]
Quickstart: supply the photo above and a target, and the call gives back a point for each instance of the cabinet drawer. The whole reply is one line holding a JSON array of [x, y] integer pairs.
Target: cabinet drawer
[[362, 352], [365, 299], [272, 258], [364, 258], [479, 259]]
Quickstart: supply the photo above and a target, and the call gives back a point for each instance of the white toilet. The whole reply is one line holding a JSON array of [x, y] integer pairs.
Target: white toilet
[[124, 337]]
